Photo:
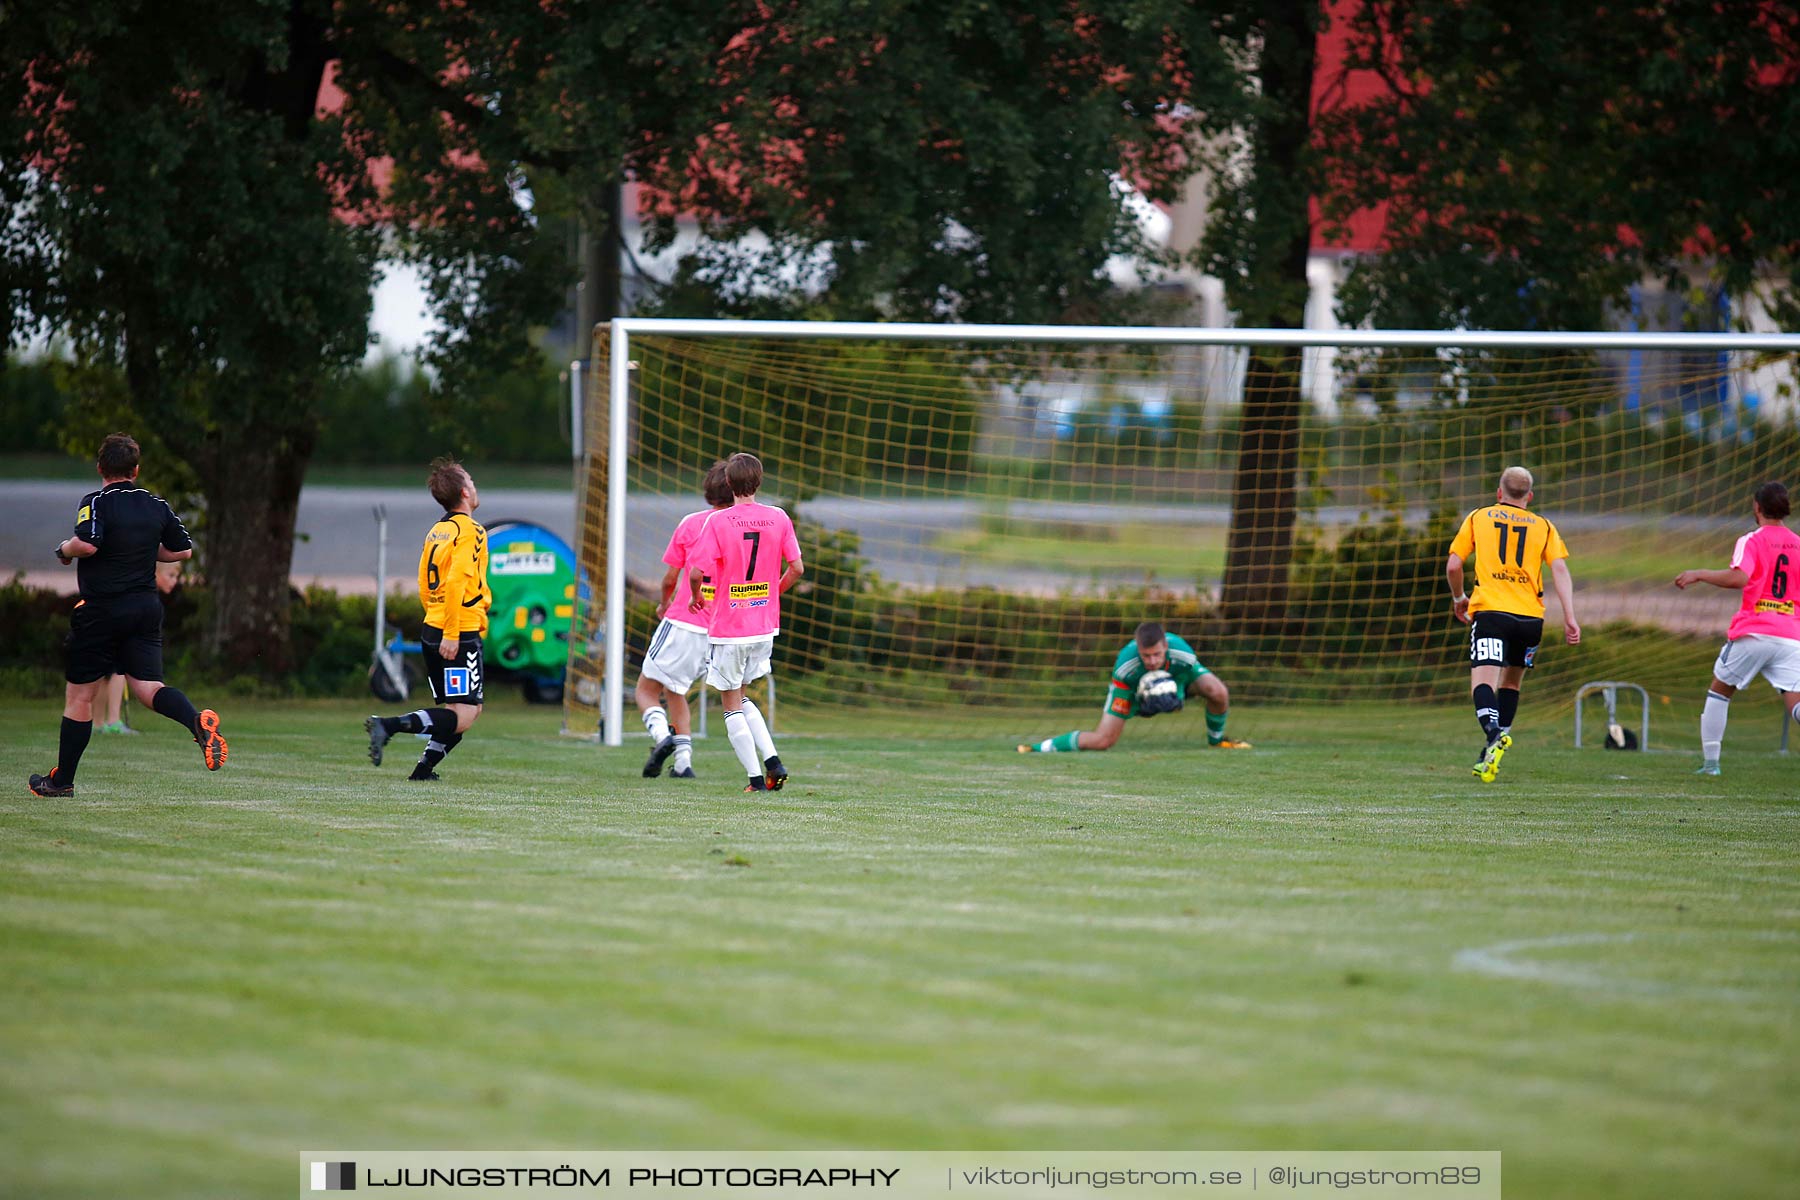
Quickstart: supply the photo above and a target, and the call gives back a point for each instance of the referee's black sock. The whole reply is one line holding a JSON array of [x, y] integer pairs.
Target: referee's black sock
[[178, 708], [75, 736], [1487, 711], [1509, 706]]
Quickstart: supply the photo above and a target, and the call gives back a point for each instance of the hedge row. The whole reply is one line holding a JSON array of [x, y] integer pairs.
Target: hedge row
[[1375, 629], [332, 639]]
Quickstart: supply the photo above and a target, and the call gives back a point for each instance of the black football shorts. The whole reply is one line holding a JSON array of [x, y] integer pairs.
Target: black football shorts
[[117, 636], [453, 680], [1498, 639]]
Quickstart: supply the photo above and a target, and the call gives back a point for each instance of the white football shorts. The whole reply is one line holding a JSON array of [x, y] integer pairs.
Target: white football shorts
[[677, 656], [735, 664], [1741, 660]]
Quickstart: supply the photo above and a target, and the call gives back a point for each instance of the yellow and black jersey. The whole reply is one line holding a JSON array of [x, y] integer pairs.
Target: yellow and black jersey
[[1509, 546], [453, 576]]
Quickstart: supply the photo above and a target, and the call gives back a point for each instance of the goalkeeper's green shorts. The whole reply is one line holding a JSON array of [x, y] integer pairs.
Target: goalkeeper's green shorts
[[1121, 703]]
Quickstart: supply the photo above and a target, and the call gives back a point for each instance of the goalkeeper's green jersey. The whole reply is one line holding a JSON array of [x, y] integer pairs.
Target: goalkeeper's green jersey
[[1128, 669]]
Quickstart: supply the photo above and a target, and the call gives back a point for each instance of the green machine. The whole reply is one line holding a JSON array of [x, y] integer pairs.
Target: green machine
[[531, 573]]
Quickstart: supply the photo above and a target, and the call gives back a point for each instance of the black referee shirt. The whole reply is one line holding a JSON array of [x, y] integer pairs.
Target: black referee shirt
[[125, 524]]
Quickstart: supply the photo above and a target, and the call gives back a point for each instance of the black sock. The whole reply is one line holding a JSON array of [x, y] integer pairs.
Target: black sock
[[438, 722], [178, 708], [412, 722], [435, 750], [1486, 711], [1509, 706], [74, 740]]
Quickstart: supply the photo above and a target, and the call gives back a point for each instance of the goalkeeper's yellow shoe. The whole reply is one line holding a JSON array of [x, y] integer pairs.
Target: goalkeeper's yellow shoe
[[1488, 769], [1231, 744]]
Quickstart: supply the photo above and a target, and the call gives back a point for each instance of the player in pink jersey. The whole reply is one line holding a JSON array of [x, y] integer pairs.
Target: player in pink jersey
[[678, 649], [753, 557], [1764, 637]]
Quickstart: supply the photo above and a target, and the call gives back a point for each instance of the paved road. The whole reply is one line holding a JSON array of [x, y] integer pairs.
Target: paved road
[[337, 540]]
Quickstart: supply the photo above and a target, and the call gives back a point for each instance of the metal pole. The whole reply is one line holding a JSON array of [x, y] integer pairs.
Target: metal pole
[[577, 413], [578, 491], [1170, 336], [613, 700], [380, 577]]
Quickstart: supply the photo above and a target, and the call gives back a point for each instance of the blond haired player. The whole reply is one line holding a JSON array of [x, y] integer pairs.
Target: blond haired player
[[453, 584], [1509, 546]]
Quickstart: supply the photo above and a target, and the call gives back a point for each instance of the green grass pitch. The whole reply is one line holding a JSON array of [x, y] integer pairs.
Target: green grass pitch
[[1336, 941]]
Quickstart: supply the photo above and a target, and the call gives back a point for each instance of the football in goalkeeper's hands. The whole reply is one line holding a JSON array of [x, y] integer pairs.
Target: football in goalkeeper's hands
[[1158, 692]]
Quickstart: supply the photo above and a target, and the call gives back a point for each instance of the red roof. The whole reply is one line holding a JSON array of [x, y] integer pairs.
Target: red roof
[[1333, 87]]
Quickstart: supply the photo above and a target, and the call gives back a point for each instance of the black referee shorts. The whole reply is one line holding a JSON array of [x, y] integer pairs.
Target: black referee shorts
[[1501, 639], [117, 636]]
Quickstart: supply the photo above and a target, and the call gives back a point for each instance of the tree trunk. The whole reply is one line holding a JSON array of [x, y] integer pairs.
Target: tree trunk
[[1264, 500], [253, 502], [600, 298]]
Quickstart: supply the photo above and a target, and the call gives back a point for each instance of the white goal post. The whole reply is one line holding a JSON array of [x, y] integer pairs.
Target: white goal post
[[609, 442]]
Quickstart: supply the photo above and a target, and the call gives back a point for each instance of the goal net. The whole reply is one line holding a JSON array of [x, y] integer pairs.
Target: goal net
[[987, 513]]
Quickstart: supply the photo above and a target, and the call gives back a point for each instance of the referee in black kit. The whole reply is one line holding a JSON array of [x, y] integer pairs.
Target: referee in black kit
[[121, 533]]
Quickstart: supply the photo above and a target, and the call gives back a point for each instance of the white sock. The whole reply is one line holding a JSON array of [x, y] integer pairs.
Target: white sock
[[1712, 725], [656, 720], [684, 752], [759, 729], [1047, 746], [743, 743]]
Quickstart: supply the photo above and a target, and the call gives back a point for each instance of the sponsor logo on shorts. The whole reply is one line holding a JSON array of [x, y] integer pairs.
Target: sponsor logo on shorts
[[1531, 656], [456, 681], [1121, 706]]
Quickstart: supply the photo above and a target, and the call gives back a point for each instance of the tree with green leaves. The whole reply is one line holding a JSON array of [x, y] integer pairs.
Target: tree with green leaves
[[957, 161], [182, 210], [1258, 242], [1536, 164], [183, 213]]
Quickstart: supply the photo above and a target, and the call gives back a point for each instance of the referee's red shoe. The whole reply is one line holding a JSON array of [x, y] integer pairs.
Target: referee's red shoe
[[46, 786], [212, 745]]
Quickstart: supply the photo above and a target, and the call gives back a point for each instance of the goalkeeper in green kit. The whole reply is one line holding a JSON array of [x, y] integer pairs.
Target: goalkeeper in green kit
[[1153, 674]]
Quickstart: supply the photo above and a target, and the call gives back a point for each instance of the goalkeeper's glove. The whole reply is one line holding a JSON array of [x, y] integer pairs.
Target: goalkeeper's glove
[[1158, 703]]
